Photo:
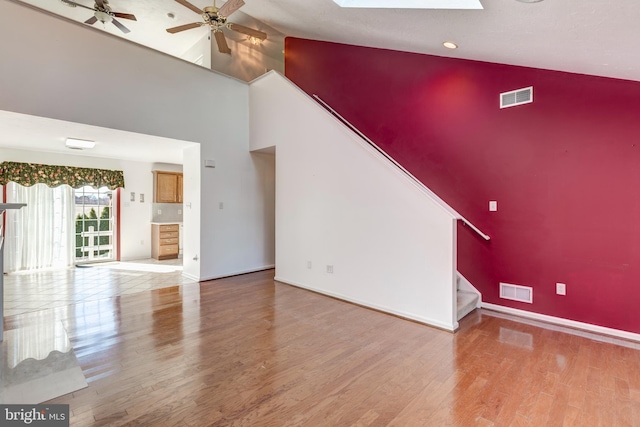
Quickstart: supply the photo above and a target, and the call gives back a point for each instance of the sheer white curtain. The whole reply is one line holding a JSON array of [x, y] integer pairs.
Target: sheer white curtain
[[41, 234]]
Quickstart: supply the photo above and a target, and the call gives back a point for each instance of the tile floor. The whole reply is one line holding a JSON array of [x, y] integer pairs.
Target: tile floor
[[48, 289]]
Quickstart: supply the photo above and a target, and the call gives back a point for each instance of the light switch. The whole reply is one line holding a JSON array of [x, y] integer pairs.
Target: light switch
[[493, 206]]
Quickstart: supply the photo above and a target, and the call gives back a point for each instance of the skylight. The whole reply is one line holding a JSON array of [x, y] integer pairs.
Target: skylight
[[411, 4]]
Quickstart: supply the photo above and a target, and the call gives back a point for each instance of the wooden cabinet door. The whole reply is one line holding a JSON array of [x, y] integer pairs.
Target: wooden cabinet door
[[166, 187], [179, 190]]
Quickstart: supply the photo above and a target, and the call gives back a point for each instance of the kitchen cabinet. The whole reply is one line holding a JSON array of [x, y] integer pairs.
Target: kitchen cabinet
[[165, 240], [167, 187], [179, 192]]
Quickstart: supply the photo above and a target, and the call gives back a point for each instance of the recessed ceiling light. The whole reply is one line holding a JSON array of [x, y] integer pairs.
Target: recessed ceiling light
[[171, 15], [450, 45], [79, 144]]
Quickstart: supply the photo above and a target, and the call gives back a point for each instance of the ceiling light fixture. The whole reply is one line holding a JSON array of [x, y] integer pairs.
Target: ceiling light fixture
[[450, 45], [79, 144], [254, 40]]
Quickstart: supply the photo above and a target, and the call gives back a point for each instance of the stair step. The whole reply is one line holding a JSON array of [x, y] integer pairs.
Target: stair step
[[466, 302]]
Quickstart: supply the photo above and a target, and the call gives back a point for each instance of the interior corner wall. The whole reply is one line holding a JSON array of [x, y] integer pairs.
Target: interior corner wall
[[245, 62], [135, 227], [339, 203], [564, 169], [87, 76]]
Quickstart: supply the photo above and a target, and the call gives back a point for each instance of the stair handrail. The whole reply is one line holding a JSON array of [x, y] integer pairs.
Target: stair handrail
[[398, 165]]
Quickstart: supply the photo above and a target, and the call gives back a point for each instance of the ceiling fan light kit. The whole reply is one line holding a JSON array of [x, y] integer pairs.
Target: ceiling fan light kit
[[102, 12], [216, 19]]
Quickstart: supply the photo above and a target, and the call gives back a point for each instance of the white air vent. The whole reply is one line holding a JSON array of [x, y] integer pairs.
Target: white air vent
[[516, 292], [516, 97]]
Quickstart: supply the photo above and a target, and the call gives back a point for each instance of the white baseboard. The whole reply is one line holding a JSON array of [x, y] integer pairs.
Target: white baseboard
[[406, 315], [235, 273], [190, 276], [563, 322]]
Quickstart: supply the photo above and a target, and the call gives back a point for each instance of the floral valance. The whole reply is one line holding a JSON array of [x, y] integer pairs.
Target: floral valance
[[28, 174]]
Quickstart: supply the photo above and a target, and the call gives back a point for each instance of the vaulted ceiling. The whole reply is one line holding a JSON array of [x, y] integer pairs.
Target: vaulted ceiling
[[584, 36]]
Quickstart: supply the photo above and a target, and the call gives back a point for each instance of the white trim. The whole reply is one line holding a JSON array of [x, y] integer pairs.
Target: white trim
[[406, 315], [236, 273], [190, 276], [563, 322]]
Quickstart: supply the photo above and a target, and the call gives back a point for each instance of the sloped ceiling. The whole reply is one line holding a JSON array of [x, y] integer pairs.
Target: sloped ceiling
[[583, 36]]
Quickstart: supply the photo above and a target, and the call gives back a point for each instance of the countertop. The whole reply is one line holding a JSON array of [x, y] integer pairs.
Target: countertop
[[4, 206]]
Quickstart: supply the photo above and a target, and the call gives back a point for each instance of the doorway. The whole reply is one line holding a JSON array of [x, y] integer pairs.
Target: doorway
[[95, 224]]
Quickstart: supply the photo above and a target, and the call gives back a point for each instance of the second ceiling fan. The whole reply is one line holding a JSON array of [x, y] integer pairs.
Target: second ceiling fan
[[217, 20]]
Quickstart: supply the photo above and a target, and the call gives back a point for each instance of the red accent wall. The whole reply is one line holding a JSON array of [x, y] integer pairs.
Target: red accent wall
[[565, 169]]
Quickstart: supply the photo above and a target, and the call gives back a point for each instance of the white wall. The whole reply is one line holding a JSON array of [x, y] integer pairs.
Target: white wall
[[135, 227], [339, 203], [69, 71], [191, 213]]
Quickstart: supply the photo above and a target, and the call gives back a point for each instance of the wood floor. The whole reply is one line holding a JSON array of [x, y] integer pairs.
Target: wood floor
[[248, 351]]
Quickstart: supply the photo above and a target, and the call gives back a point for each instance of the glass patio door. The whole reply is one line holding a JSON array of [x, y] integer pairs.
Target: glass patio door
[[94, 224]]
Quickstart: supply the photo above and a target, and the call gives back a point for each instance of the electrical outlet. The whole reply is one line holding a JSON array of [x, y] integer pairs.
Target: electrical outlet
[[179, 211], [330, 269], [493, 206], [309, 264], [220, 205], [159, 211], [561, 288], [141, 198]]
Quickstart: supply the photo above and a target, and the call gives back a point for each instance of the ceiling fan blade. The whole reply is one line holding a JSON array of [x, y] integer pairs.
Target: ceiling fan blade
[[222, 42], [91, 20], [100, 3], [185, 3], [77, 4], [124, 16], [229, 7], [246, 30], [184, 27], [120, 26]]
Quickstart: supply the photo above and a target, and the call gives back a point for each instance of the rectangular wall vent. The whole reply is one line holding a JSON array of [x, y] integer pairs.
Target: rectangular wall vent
[[516, 292], [516, 97]]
